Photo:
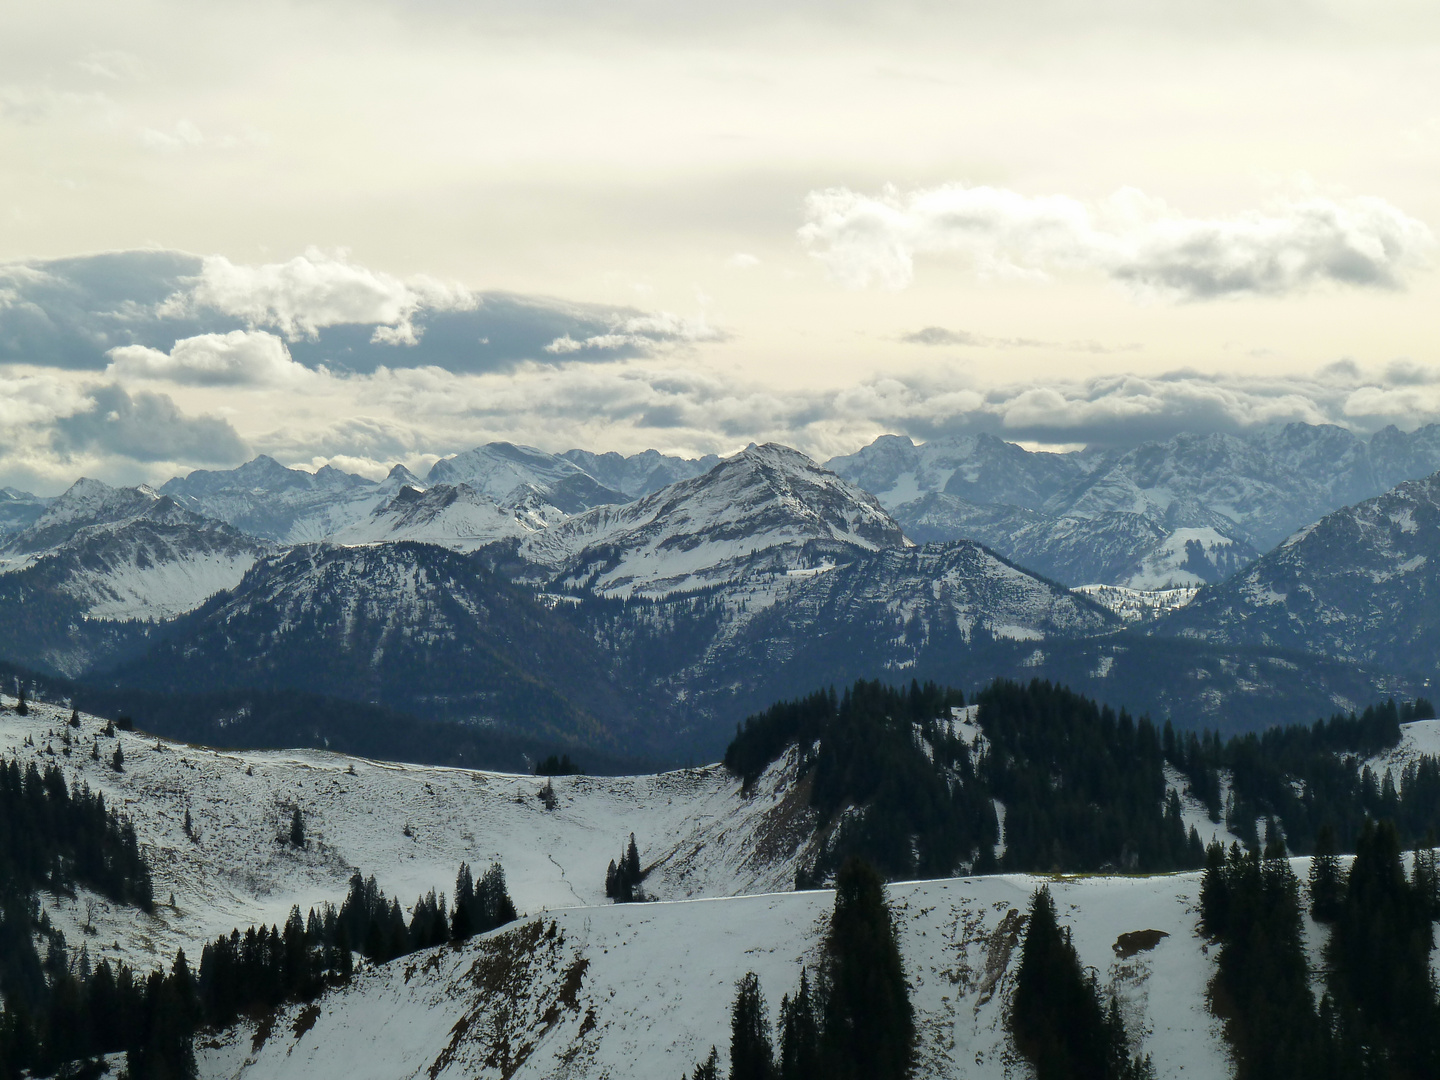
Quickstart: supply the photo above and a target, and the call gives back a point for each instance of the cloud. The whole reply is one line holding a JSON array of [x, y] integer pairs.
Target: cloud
[[742, 260], [240, 357], [316, 290], [1131, 238], [146, 427], [641, 334], [333, 313], [940, 336]]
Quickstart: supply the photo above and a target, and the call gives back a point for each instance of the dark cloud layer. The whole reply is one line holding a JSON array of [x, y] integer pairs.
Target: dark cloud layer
[[146, 427], [71, 313]]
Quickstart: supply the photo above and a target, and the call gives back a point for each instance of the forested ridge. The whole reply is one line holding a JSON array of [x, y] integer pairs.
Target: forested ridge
[[1084, 787]]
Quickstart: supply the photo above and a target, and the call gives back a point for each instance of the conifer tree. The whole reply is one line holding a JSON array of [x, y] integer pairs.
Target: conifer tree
[[462, 923], [751, 1055], [1326, 886], [709, 1069], [869, 1025], [117, 760], [799, 1034], [297, 829]]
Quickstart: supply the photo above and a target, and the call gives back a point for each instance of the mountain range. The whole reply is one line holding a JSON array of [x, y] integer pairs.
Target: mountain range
[[1186, 511], [569, 600]]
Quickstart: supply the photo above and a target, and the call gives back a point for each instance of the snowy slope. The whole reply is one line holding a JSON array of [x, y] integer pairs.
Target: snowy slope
[[126, 553], [508, 473], [645, 990], [1248, 491], [18, 510], [706, 530], [453, 516], [640, 474], [86, 502], [290, 506], [1138, 605], [409, 825], [1360, 584]]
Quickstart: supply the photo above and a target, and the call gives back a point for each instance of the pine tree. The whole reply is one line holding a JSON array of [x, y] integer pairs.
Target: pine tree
[[709, 1069], [21, 706], [462, 923], [632, 862], [799, 1035], [297, 829], [117, 762], [1327, 889], [869, 1026], [751, 1055]]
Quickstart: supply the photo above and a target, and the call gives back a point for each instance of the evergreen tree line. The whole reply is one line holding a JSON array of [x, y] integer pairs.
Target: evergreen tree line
[[57, 838], [54, 836], [1378, 1016], [78, 1011], [558, 766], [622, 879], [1084, 787], [855, 1022], [260, 969], [1308, 776], [108, 1009], [1056, 1015]]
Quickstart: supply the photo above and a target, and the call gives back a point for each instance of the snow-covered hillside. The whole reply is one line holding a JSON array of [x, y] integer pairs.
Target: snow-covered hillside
[[645, 990], [705, 531], [288, 506], [451, 515], [579, 987], [127, 553], [410, 826], [1138, 605], [1190, 510], [509, 474], [1359, 584]]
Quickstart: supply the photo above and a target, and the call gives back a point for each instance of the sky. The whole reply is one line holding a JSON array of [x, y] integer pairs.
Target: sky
[[373, 232]]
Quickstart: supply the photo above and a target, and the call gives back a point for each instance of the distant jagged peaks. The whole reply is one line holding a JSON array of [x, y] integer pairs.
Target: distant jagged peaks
[[1360, 583], [768, 501], [451, 515], [1186, 511]]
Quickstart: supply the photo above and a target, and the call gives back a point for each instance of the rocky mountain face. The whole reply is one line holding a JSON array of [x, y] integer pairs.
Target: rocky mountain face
[[405, 625], [767, 500], [1187, 511], [642, 473], [650, 626], [455, 516], [18, 510], [510, 474], [287, 506], [1360, 584], [100, 557]]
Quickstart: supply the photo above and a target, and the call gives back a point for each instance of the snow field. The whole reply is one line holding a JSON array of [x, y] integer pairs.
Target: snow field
[[410, 826], [644, 990]]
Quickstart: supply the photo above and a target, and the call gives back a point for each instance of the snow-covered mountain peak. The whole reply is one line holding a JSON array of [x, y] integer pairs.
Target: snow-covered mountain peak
[[87, 502], [451, 515], [399, 476], [768, 501], [512, 474]]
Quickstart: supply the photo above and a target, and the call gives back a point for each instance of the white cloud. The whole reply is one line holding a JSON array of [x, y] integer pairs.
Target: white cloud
[[315, 290], [742, 260], [1130, 237], [239, 357], [645, 334]]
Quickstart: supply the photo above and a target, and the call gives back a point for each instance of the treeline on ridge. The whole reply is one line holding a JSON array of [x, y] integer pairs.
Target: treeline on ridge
[[68, 1011], [1083, 787], [1378, 1017]]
